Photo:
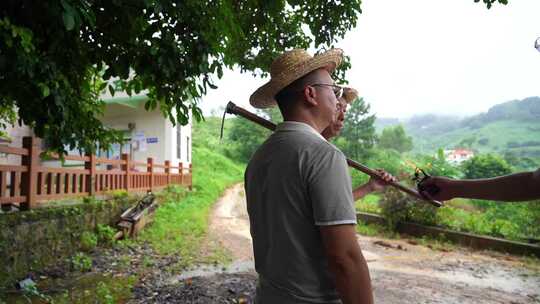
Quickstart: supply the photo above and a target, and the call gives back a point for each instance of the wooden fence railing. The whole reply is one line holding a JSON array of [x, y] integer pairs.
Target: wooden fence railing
[[31, 182]]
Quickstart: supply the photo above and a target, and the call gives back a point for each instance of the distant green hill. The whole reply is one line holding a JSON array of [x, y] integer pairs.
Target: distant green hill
[[513, 126]]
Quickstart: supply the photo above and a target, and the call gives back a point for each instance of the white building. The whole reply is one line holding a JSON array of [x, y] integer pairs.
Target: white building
[[14, 136], [147, 133], [457, 156]]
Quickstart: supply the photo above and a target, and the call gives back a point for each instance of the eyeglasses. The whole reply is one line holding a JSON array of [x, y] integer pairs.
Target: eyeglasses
[[338, 91]]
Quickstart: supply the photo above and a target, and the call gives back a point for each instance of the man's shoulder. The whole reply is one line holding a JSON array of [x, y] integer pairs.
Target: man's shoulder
[[304, 144], [325, 147], [304, 141]]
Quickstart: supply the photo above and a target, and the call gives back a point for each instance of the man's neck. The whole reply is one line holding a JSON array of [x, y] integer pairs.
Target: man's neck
[[318, 126]]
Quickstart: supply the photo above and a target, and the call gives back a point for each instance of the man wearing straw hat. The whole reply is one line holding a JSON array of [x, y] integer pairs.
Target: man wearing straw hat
[[299, 193], [334, 128]]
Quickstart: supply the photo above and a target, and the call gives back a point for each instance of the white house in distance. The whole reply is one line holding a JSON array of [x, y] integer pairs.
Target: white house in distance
[[457, 156], [147, 133]]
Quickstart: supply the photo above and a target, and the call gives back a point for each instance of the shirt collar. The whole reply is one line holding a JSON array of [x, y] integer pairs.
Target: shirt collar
[[297, 126]]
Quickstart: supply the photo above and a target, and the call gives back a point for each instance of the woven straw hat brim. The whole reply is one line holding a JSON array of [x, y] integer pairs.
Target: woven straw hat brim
[[264, 97]]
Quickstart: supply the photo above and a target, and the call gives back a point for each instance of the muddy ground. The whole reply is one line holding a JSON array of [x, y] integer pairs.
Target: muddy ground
[[402, 270]]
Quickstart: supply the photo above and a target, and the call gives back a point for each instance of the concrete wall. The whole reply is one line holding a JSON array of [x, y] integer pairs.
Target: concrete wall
[[185, 142], [33, 240]]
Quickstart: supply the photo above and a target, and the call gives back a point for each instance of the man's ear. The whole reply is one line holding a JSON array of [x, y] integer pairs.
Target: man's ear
[[310, 95]]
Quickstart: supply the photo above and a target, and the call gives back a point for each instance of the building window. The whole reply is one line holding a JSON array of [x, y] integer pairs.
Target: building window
[[187, 149], [178, 142]]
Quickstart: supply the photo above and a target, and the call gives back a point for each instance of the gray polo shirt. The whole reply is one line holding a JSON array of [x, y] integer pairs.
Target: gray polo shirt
[[295, 182]]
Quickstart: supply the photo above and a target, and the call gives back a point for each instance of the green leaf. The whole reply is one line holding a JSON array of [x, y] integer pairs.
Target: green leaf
[[69, 21], [111, 90], [45, 91], [220, 71]]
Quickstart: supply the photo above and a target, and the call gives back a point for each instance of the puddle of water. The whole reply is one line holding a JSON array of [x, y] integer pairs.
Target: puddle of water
[[206, 271], [494, 278], [87, 288]]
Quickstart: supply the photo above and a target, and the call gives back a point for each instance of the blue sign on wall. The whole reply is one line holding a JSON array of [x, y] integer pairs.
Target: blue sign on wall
[[151, 140]]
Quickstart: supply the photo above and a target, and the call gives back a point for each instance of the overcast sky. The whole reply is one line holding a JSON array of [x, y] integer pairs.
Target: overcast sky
[[429, 56]]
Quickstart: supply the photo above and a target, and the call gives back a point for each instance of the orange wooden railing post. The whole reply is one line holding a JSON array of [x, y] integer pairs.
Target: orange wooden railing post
[[29, 178], [168, 171], [181, 171], [150, 170], [127, 169], [91, 180], [190, 177]]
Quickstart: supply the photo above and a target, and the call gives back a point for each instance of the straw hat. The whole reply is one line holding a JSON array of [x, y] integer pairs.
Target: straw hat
[[349, 94], [289, 67]]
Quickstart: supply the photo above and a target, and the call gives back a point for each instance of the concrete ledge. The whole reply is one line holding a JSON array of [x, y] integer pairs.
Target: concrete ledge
[[466, 239], [33, 240]]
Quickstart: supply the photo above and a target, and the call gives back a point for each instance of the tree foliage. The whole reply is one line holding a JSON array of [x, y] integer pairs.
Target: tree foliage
[[485, 166], [245, 137], [520, 163], [395, 138], [489, 3], [437, 165], [54, 54], [358, 131]]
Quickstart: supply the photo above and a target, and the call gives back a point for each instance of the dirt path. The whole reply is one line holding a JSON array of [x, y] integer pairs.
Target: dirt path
[[401, 271], [229, 224]]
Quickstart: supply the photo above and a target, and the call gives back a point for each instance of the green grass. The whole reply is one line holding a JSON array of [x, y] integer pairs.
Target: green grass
[[440, 243], [461, 203], [206, 134], [180, 225], [498, 134], [376, 230], [514, 221], [369, 204], [98, 288]]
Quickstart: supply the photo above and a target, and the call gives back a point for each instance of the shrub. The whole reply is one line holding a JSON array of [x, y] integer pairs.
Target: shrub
[[398, 207], [485, 166], [105, 234], [81, 262], [88, 241], [104, 293]]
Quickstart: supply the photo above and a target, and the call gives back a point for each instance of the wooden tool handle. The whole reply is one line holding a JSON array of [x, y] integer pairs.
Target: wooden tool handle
[[236, 110]]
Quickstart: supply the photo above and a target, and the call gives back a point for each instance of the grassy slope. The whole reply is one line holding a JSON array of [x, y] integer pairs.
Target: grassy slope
[[181, 224], [497, 133]]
